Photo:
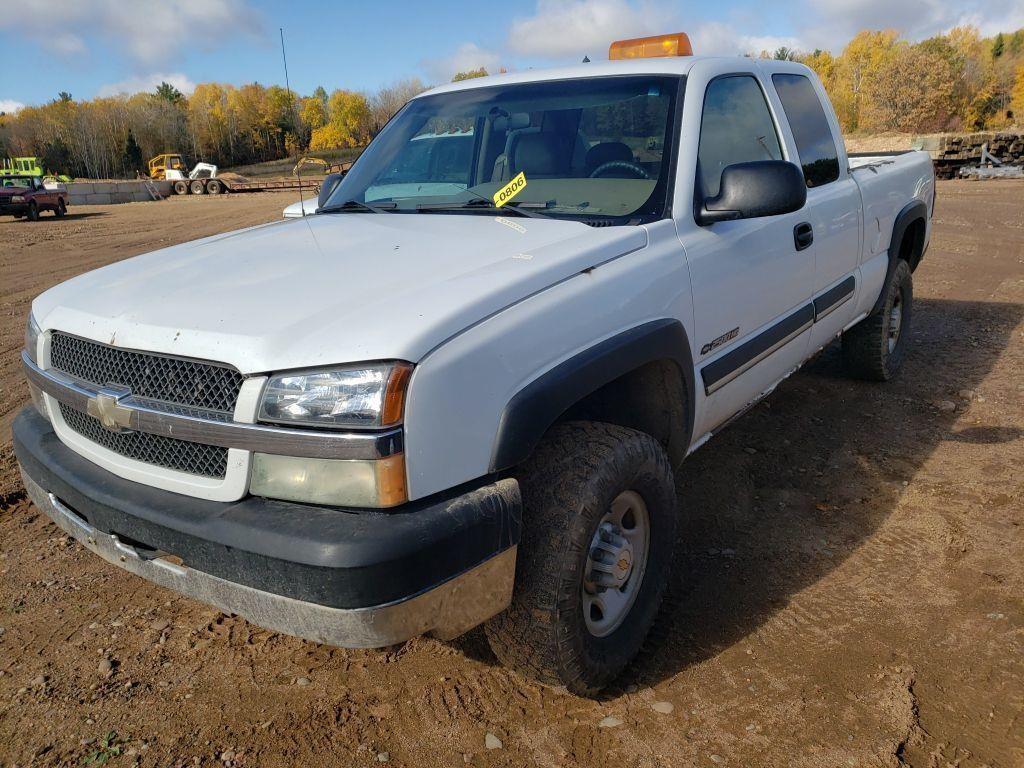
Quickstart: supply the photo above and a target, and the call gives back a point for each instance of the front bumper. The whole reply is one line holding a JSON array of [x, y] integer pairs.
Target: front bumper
[[351, 578], [11, 209]]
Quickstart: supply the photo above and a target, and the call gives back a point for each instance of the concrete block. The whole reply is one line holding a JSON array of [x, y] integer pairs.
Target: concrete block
[[98, 198], [104, 187]]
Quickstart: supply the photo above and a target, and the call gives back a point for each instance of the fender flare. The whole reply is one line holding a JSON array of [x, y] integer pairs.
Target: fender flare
[[538, 405], [913, 211]]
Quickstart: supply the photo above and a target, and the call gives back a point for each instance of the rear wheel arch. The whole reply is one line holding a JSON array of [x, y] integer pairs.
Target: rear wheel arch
[[641, 378], [907, 242]]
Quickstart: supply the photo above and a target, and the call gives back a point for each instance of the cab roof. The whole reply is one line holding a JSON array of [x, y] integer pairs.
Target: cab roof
[[664, 65]]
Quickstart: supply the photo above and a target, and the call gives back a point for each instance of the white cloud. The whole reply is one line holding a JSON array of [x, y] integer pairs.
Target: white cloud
[[578, 28], [148, 32], [831, 23], [467, 56], [715, 38], [148, 83], [10, 106]]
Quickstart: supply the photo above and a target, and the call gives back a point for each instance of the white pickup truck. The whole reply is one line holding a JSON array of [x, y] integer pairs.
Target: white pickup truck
[[456, 395]]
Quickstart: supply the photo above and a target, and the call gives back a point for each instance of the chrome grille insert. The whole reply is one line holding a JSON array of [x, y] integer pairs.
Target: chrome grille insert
[[173, 380], [179, 455]]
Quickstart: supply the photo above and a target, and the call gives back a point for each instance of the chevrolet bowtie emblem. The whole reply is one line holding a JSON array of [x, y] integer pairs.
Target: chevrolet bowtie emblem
[[106, 407]]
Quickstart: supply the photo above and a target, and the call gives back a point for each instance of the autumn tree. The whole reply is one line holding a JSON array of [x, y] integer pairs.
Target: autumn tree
[[909, 90], [388, 100], [1017, 97], [861, 57], [470, 74], [348, 122]]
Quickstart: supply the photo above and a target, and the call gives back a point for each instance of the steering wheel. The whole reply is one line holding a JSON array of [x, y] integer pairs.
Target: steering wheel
[[620, 165]]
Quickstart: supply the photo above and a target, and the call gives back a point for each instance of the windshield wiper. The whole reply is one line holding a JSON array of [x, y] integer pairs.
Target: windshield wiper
[[483, 203], [354, 205]]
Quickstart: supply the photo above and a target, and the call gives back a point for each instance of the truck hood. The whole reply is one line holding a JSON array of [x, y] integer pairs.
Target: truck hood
[[327, 289], [11, 191]]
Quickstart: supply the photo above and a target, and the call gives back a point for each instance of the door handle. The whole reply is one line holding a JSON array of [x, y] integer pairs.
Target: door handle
[[803, 236]]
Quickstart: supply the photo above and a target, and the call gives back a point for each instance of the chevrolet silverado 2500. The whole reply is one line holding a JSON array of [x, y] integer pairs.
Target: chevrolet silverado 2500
[[457, 394]]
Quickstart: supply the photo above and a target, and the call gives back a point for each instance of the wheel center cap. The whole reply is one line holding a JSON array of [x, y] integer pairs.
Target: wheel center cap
[[611, 558]]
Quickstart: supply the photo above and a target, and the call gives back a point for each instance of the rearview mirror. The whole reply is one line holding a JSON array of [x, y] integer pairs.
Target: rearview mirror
[[753, 190], [327, 187]]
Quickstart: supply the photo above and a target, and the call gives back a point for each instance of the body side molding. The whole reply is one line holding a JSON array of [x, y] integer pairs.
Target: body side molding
[[726, 368], [537, 406], [834, 297]]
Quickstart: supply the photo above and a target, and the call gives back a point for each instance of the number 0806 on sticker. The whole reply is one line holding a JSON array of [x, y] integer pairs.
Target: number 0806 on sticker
[[510, 190]]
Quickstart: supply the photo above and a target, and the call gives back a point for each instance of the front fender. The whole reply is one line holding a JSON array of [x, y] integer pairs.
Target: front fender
[[538, 405]]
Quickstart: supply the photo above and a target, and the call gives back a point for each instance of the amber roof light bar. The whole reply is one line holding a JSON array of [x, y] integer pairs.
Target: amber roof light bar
[[675, 44]]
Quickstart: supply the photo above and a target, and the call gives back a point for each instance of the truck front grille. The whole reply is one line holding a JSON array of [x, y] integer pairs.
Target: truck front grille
[[179, 455], [173, 380]]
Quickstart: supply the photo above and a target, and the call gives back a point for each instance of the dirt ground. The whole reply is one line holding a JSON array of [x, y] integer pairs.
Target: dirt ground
[[849, 588]]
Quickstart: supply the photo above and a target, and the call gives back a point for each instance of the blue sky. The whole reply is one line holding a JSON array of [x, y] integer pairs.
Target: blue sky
[[102, 47]]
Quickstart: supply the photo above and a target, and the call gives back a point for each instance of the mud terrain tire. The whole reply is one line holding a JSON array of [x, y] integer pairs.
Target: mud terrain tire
[[874, 348], [568, 486]]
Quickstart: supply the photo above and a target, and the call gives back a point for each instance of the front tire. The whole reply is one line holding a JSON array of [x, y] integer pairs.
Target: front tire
[[61, 209], [33, 211], [874, 348], [599, 525]]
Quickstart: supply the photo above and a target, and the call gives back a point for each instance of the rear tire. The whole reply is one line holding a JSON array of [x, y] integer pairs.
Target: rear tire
[[197, 187], [60, 210], [874, 348], [214, 187], [33, 211], [180, 187], [588, 589]]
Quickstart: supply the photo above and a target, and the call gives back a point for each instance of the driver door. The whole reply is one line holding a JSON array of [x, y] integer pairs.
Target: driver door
[[752, 282]]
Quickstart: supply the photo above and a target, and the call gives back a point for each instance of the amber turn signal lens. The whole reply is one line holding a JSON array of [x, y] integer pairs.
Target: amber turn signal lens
[[394, 395], [676, 44]]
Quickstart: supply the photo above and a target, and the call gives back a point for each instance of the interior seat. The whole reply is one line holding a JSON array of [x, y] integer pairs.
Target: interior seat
[[539, 155]]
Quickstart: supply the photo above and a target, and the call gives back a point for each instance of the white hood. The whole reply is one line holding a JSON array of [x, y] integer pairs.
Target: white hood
[[327, 289]]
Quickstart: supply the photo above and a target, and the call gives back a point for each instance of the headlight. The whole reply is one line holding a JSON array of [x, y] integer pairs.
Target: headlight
[[32, 338], [17, 198], [369, 395]]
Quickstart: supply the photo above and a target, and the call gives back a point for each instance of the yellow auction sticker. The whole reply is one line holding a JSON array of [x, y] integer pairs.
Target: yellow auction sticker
[[510, 190]]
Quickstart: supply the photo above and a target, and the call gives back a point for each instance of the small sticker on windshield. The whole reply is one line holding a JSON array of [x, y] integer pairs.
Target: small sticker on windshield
[[510, 190]]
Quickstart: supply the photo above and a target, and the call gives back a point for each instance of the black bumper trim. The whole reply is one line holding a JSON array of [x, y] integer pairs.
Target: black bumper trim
[[341, 558]]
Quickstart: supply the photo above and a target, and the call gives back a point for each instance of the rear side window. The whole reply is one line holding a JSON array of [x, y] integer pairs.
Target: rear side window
[[736, 127], [814, 142]]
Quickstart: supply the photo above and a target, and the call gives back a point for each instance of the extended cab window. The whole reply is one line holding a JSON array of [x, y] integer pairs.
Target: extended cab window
[[736, 127], [589, 148], [814, 141]]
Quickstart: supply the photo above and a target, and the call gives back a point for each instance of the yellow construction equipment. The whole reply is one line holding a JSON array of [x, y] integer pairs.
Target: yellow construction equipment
[[159, 165]]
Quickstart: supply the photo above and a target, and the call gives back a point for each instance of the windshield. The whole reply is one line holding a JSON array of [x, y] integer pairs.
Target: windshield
[[595, 147], [17, 181]]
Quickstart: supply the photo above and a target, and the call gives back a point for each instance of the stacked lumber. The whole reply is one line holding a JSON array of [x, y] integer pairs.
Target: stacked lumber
[[952, 151]]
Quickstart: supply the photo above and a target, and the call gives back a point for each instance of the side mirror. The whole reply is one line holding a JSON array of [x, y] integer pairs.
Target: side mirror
[[327, 186], [752, 190]]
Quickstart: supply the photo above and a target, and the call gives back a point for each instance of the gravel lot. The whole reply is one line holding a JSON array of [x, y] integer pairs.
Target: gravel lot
[[849, 590]]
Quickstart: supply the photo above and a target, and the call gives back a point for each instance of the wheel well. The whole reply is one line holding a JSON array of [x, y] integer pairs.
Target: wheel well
[[651, 399], [912, 245]]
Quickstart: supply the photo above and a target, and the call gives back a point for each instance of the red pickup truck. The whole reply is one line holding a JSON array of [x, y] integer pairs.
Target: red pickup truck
[[27, 196]]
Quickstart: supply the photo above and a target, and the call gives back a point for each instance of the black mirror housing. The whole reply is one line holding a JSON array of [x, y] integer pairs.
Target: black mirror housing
[[753, 190], [327, 186]]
